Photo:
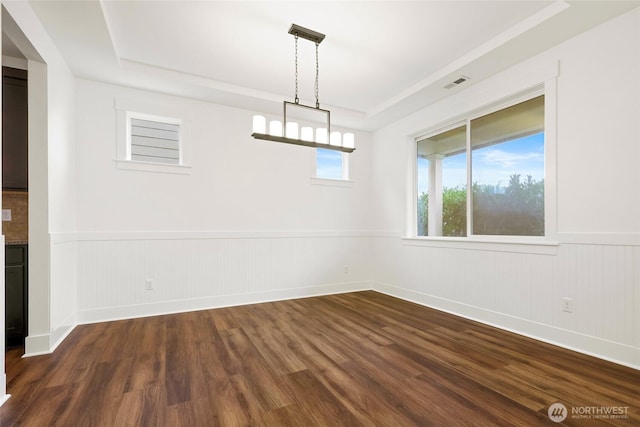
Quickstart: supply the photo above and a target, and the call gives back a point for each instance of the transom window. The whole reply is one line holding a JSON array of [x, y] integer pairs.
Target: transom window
[[500, 157], [332, 164], [153, 139]]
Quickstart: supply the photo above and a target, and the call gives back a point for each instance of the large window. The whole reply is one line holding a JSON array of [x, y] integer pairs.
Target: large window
[[500, 157]]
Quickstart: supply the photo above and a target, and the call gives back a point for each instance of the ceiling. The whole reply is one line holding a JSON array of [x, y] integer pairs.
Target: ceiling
[[10, 49], [380, 60]]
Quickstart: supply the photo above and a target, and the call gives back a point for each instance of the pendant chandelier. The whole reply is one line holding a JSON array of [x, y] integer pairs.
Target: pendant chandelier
[[303, 132]]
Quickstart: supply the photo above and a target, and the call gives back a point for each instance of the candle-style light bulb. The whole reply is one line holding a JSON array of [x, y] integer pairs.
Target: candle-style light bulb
[[259, 124], [275, 128], [335, 139], [348, 140], [321, 136], [292, 130], [306, 134]]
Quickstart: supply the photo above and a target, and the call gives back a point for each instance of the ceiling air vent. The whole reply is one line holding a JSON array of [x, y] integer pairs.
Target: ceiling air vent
[[457, 82]]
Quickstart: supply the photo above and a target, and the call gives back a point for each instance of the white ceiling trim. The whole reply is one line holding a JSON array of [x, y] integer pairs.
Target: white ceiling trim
[[107, 23], [204, 88], [193, 79], [453, 69]]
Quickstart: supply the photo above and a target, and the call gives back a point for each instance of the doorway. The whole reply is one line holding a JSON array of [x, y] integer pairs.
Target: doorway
[[15, 196], [29, 197]]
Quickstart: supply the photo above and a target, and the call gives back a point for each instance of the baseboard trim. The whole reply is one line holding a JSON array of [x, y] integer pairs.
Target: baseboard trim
[[60, 333], [607, 350], [37, 345], [4, 399], [3, 388], [614, 352], [181, 306]]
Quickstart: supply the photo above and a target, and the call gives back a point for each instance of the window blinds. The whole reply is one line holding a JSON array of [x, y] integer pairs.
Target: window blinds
[[155, 142]]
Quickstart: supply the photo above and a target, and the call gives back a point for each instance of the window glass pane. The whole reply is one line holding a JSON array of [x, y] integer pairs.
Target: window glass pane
[[442, 188], [454, 195], [508, 170], [423, 196], [329, 164]]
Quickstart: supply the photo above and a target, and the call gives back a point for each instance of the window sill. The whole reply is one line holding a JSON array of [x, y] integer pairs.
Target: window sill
[[502, 244], [133, 165], [332, 182]]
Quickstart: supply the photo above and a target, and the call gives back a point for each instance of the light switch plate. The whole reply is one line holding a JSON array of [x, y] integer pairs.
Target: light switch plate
[[6, 214]]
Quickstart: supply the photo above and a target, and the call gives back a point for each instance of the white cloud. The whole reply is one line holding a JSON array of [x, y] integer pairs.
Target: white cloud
[[507, 159]]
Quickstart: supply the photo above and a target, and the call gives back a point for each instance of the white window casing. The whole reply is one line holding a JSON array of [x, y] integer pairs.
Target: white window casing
[[491, 100], [151, 137]]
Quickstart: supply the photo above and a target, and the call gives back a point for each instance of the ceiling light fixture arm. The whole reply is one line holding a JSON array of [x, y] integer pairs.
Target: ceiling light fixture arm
[[296, 99], [317, 78]]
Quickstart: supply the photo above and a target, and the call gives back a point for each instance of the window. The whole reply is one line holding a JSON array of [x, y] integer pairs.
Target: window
[[331, 164], [153, 139], [500, 157]]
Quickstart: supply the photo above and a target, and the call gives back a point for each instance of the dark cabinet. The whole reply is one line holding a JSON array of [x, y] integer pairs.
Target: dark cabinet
[[15, 115], [15, 277]]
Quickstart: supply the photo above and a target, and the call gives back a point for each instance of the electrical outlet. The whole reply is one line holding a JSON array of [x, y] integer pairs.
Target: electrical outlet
[[6, 214], [567, 305], [148, 284], [346, 269]]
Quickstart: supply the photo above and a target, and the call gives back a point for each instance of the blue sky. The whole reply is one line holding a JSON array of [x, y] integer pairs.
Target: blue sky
[[491, 165], [328, 164]]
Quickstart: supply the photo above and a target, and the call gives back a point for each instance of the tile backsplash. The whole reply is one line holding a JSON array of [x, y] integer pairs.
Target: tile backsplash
[[16, 230]]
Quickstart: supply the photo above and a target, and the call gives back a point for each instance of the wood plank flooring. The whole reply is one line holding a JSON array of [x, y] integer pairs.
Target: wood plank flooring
[[357, 359]]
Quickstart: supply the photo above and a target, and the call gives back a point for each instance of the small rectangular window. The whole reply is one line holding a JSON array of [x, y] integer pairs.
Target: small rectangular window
[[330, 164], [152, 137], [154, 140]]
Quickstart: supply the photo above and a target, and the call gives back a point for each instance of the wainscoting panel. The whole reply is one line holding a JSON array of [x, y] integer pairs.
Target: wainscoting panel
[[604, 282], [188, 272], [63, 285], [524, 292]]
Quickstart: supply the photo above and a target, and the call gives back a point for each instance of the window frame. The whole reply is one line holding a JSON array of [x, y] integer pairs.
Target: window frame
[[454, 125], [129, 109], [528, 244]]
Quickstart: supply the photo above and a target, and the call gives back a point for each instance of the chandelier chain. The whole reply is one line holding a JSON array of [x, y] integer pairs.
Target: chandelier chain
[[317, 78], [296, 99]]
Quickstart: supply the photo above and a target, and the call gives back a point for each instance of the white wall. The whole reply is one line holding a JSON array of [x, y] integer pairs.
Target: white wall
[[237, 183], [62, 198], [246, 225], [597, 261]]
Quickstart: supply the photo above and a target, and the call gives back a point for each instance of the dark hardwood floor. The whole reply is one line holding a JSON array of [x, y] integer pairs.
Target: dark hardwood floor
[[357, 359]]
